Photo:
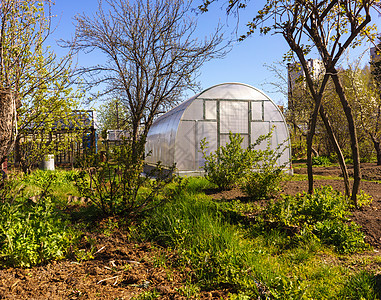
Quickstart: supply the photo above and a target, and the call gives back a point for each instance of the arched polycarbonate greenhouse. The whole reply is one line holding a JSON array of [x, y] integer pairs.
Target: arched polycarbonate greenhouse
[[229, 107]]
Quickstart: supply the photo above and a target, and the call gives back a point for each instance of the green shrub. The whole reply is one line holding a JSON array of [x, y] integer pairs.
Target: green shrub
[[117, 186], [322, 161], [228, 164], [322, 215], [32, 233], [265, 176], [262, 185], [255, 171]]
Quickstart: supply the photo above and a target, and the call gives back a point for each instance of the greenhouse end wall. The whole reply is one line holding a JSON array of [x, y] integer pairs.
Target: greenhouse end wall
[[230, 107]]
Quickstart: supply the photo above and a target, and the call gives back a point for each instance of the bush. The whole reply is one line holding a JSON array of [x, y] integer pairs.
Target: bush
[[322, 215], [227, 166], [32, 233], [117, 186], [321, 161], [256, 171], [266, 175]]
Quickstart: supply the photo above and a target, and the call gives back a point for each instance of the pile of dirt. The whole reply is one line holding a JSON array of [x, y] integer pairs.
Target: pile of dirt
[[119, 270]]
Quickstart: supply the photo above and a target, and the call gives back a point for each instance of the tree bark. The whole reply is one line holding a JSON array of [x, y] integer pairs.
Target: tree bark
[[7, 123], [378, 151]]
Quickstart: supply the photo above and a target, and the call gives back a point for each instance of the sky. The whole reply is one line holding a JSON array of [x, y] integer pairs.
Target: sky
[[245, 63]]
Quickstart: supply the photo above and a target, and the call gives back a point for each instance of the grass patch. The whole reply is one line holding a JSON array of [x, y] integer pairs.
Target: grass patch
[[252, 259], [296, 248]]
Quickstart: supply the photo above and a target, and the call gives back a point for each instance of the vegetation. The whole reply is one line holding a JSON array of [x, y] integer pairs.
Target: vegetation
[[228, 165], [282, 247], [256, 171], [265, 258], [117, 185], [33, 232], [322, 216], [275, 253]]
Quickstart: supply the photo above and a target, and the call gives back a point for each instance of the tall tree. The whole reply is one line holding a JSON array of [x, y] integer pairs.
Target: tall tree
[[34, 83], [331, 27], [151, 55]]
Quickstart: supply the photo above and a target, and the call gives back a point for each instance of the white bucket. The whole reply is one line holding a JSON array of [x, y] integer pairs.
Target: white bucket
[[48, 162]]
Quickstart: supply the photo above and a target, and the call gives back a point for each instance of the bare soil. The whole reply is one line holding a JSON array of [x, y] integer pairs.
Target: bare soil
[[124, 270]]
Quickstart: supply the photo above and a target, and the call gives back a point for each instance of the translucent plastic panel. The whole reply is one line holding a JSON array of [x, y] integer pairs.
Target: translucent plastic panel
[[207, 130], [280, 136], [234, 117], [224, 139], [195, 111], [210, 110], [258, 129], [185, 146], [257, 111], [233, 91], [271, 112]]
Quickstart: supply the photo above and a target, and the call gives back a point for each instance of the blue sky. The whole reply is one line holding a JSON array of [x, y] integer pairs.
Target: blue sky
[[244, 63]]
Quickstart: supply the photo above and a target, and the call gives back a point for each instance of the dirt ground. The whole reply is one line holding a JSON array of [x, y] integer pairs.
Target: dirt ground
[[124, 270]]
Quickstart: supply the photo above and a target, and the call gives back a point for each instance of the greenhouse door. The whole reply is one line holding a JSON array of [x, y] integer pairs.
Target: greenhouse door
[[233, 117]]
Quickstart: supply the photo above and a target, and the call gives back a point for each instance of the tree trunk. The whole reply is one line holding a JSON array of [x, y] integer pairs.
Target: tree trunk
[[353, 134], [378, 151], [338, 151], [7, 123]]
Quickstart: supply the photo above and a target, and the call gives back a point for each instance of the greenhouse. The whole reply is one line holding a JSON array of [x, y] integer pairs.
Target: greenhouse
[[229, 107]]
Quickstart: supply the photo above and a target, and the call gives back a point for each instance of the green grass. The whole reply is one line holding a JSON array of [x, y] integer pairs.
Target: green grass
[[61, 184], [249, 249], [225, 251]]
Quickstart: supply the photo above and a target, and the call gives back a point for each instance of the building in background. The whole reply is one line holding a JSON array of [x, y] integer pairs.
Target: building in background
[[296, 78]]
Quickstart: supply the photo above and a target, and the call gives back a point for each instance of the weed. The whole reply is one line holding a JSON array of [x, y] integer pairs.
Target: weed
[[33, 233], [361, 285], [322, 215], [190, 291], [346, 238], [363, 199], [322, 161]]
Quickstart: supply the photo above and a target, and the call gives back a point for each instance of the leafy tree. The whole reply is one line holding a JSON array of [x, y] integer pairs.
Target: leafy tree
[[36, 96], [150, 55], [331, 27], [112, 115]]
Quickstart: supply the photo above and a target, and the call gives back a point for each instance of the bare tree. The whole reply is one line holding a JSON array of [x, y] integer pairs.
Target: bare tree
[[150, 54]]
